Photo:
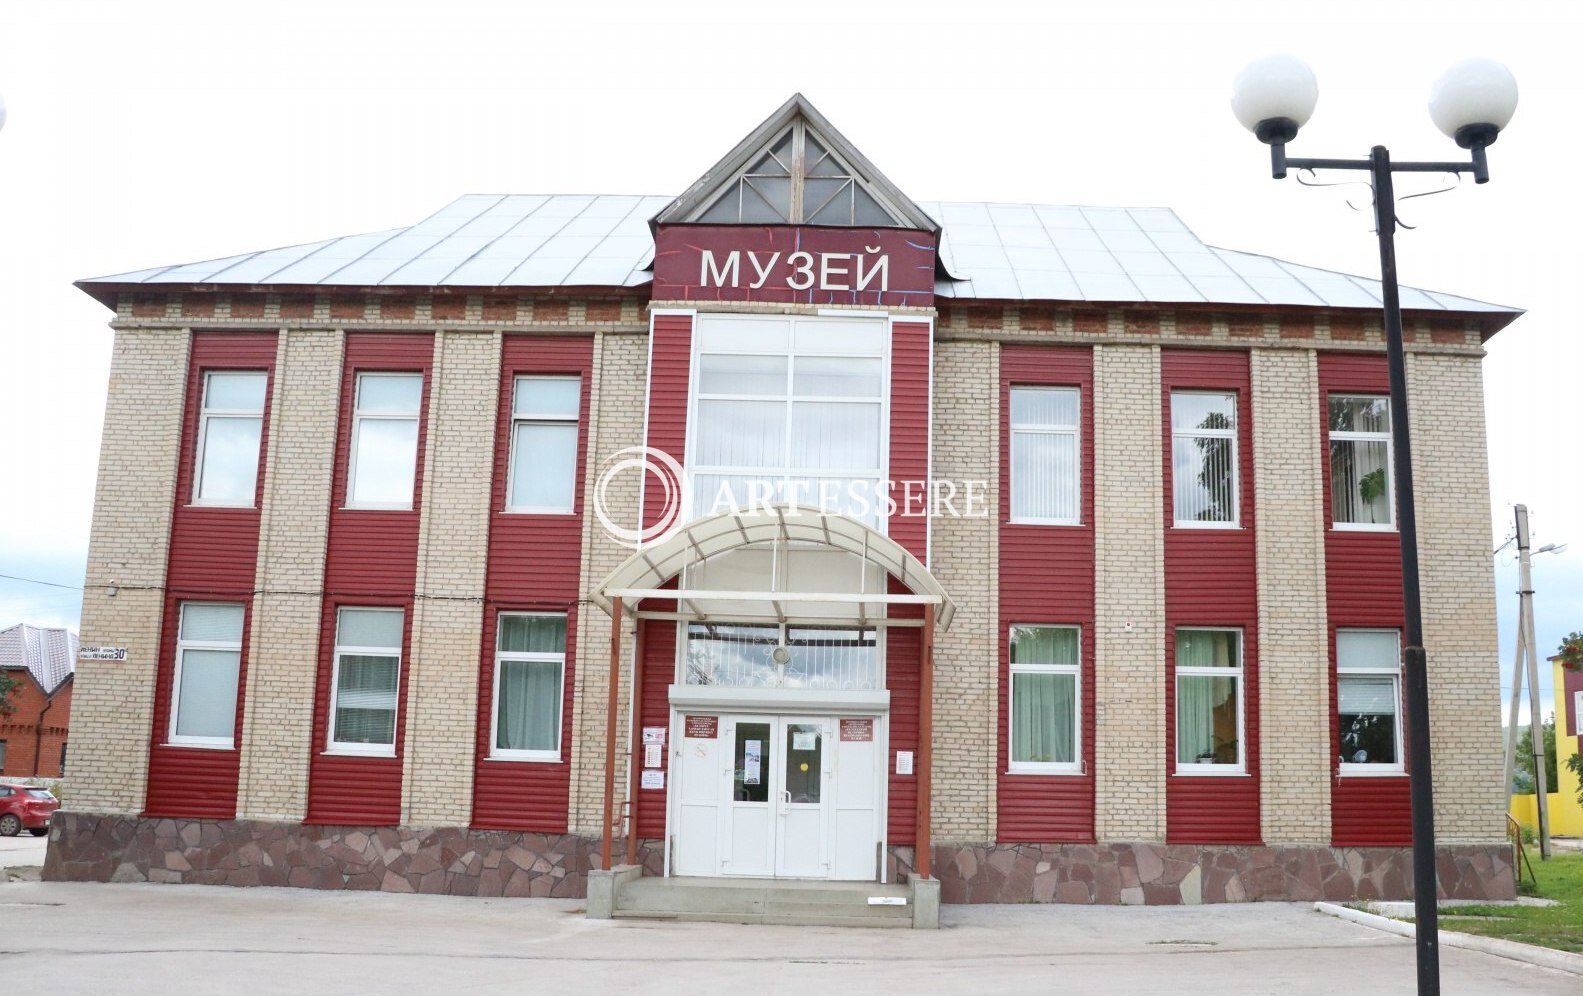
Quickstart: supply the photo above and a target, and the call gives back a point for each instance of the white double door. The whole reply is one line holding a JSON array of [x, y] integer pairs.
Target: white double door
[[776, 814]]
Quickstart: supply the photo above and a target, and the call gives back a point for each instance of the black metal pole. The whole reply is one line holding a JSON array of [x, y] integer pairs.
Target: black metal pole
[[1416, 665]]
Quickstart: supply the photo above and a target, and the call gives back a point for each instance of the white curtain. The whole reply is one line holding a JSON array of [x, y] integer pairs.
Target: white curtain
[[1044, 710], [1044, 475]]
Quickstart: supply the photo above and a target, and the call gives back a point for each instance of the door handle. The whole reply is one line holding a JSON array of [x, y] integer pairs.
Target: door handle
[[785, 801]]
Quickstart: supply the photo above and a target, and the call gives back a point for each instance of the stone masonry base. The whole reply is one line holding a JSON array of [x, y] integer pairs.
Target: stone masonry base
[[458, 861]]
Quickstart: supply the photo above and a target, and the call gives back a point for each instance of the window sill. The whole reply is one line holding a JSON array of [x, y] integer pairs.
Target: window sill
[[1059, 523], [183, 745], [1226, 527], [238, 506], [1363, 527], [349, 752], [1371, 771], [563, 512], [525, 758], [1209, 771], [1062, 769], [376, 508]]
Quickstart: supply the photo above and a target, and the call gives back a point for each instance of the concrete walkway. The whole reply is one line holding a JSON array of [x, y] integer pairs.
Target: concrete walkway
[[134, 939], [22, 850]]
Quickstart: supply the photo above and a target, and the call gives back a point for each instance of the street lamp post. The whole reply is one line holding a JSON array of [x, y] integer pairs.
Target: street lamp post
[[1273, 97]]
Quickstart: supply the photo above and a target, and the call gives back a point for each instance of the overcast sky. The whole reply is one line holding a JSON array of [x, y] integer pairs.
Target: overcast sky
[[150, 133]]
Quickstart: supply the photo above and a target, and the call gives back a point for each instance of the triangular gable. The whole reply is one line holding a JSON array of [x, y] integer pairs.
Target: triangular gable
[[796, 169]]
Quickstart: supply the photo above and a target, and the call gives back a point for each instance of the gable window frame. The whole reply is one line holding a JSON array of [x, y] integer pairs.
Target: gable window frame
[[1014, 669], [360, 416], [341, 651], [1237, 673], [1025, 430], [1347, 668], [208, 417], [186, 645], [801, 207], [543, 417], [505, 657], [1354, 439], [1192, 435]]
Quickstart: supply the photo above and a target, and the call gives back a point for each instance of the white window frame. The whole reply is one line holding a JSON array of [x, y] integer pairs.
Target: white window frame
[[1368, 769], [358, 416], [1354, 436], [1239, 674], [542, 418], [749, 347], [1235, 522], [501, 656], [182, 646], [1075, 766], [334, 746], [204, 414], [1075, 431]]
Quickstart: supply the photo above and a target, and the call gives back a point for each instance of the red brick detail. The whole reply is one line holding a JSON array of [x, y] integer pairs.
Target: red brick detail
[[552, 311], [1038, 319], [500, 309], [1346, 328], [984, 318], [603, 311], [1297, 328], [197, 306], [399, 309], [1246, 327], [1194, 324], [944, 317], [348, 306], [247, 306], [1141, 322], [148, 306], [1446, 333], [1090, 322], [296, 306], [448, 307]]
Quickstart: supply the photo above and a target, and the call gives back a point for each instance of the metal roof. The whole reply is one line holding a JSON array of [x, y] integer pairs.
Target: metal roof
[[1013, 252], [49, 654]]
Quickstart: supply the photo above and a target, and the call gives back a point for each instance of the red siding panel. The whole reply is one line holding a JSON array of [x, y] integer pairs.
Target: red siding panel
[[909, 432], [659, 672], [1363, 587], [1211, 579], [902, 647], [534, 564], [370, 562], [1047, 576], [670, 371], [213, 556]]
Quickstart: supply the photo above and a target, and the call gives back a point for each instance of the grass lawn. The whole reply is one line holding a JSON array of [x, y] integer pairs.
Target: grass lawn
[[1559, 926]]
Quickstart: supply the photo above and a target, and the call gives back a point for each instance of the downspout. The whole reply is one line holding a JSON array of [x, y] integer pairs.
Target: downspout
[[38, 729]]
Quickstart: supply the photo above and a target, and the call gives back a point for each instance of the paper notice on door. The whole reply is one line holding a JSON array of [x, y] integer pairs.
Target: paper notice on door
[[653, 779], [803, 741], [751, 757], [652, 755]]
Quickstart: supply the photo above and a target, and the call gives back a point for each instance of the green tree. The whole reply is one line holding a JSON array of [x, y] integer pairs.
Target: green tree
[[8, 685], [1523, 769]]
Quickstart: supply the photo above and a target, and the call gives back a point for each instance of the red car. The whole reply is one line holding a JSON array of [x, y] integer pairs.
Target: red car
[[26, 806]]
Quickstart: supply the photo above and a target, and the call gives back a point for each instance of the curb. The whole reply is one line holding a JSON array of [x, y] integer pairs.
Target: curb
[[1561, 961]]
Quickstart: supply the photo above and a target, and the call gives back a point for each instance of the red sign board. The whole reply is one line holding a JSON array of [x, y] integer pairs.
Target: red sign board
[[794, 264], [702, 727], [857, 730]]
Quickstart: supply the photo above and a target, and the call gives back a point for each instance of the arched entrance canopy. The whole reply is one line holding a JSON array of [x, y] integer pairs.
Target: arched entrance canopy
[[779, 527]]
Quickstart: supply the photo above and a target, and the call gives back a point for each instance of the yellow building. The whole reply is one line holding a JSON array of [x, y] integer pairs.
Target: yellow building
[[1566, 811]]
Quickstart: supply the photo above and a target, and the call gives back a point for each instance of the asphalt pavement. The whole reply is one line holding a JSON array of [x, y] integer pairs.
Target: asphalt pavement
[[163, 939]]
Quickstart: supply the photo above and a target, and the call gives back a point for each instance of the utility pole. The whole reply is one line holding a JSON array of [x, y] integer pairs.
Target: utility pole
[[1525, 628]]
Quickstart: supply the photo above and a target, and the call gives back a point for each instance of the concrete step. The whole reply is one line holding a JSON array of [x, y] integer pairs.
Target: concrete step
[[763, 901]]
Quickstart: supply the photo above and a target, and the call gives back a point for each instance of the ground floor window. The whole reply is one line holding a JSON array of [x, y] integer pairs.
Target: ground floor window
[[1368, 690], [1209, 701], [208, 661], [530, 668], [782, 656], [366, 681], [1043, 713]]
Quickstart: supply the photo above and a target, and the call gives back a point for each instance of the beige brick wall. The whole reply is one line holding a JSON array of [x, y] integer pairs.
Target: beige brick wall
[[1451, 478], [138, 453], [617, 393], [453, 548], [1294, 708], [965, 556], [283, 648], [1129, 610]]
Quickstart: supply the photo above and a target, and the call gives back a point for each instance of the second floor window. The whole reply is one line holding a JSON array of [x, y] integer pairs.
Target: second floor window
[[230, 426], [1044, 455], [544, 444], [384, 455], [1204, 458], [1361, 490]]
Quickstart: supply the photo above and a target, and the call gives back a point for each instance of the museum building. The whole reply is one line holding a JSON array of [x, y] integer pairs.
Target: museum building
[[784, 529]]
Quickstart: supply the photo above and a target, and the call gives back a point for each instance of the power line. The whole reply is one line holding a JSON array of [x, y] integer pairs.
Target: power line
[[50, 584]]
